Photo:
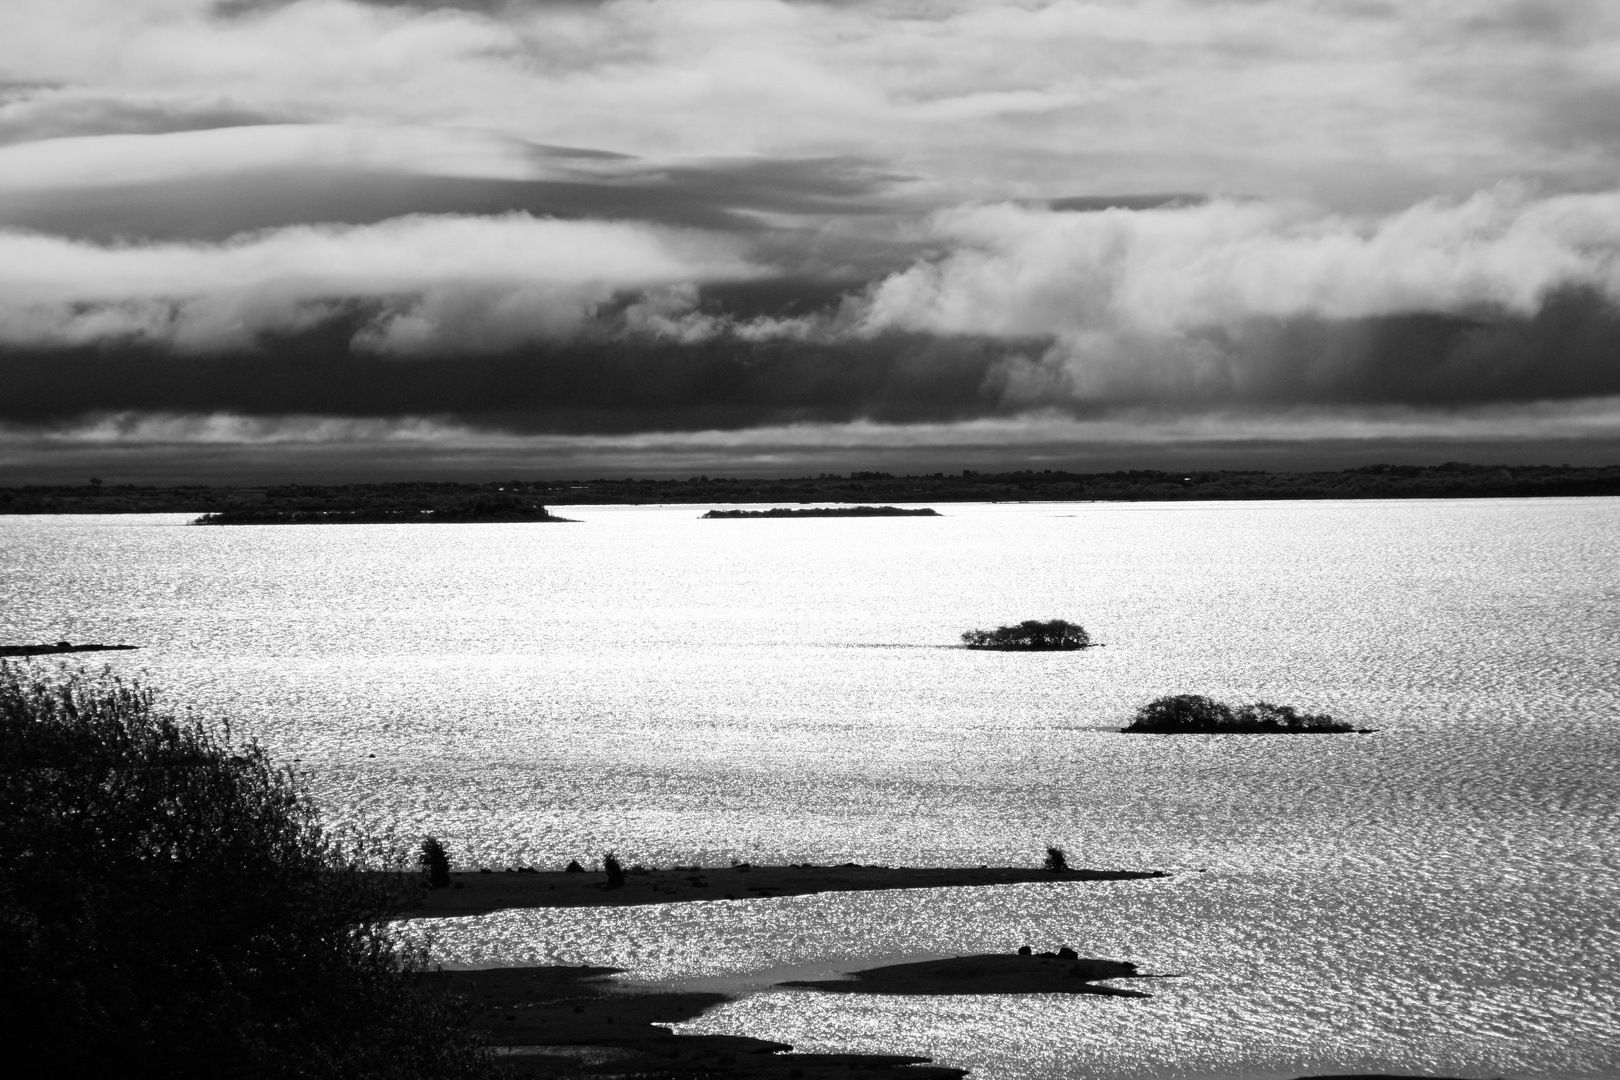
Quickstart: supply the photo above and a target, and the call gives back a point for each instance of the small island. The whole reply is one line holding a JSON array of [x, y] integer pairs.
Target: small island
[[478, 509], [824, 511], [1031, 635], [1195, 714], [60, 647]]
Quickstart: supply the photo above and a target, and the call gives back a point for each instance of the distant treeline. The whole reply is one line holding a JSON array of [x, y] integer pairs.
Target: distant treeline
[[1449, 481]]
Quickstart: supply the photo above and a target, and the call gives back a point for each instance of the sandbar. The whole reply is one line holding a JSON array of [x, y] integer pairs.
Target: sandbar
[[986, 973], [480, 893]]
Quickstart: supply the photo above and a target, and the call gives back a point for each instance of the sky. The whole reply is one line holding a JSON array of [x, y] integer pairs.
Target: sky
[[319, 240]]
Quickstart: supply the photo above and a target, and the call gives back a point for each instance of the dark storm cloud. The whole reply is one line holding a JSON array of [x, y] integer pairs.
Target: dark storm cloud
[[608, 386], [611, 383]]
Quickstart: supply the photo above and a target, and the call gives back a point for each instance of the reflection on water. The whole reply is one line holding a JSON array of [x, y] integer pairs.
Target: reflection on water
[[1436, 897]]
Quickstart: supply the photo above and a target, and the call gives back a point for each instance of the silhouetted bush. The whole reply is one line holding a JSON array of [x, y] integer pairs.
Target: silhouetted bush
[[1056, 861], [1055, 635], [1194, 713], [435, 862], [615, 871], [171, 906]]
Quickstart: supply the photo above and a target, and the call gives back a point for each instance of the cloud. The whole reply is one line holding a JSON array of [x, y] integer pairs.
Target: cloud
[[1246, 300], [432, 283], [585, 325], [116, 160], [1352, 105], [232, 449]]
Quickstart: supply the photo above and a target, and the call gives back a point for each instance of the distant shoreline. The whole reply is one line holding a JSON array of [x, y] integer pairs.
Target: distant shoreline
[[822, 512], [1450, 481]]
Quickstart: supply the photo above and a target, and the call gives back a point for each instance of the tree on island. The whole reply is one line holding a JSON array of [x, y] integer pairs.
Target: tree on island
[[1055, 635], [170, 905], [1195, 713]]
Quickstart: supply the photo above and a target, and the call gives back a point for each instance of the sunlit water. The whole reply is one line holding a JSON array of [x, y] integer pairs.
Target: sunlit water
[[1437, 897]]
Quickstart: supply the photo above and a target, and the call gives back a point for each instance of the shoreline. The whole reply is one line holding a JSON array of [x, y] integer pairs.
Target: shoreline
[[552, 1020], [484, 892]]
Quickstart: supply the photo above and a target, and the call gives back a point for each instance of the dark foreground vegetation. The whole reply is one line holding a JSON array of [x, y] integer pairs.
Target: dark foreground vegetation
[[1031, 635], [171, 906], [824, 512], [1193, 714], [486, 507], [1450, 481]]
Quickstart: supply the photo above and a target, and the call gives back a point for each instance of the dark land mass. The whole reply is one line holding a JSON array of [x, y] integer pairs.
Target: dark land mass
[[1242, 729], [1449, 481], [1195, 714], [481, 508], [986, 973], [1034, 648], [568, 1022], [824, 512], [60, 647], [479, 893], [1031, 635]]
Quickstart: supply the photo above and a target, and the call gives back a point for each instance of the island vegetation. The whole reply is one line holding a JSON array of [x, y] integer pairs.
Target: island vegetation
[[1453, 480], [1195, 714], [825, 512], [481, 508], [1031, 635]]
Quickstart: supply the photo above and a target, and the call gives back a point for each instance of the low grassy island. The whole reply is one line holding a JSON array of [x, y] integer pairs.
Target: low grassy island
[[473, 510], [1031, 635], [60, 647], [825, 511], [1195, 714]]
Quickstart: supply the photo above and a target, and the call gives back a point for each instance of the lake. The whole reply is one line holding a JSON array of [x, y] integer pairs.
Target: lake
[[1436, 897]]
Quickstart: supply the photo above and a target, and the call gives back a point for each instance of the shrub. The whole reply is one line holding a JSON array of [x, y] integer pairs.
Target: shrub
[[1031, 634], [170, 905], [1056, 861], [1194, 712], [435, 862], [1183, 711]]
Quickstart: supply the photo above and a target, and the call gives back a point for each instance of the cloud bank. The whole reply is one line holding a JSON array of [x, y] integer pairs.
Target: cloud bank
[[1004, 308], [586, 220]]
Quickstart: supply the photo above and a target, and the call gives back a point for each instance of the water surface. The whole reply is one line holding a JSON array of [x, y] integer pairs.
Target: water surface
[[1436, 897]]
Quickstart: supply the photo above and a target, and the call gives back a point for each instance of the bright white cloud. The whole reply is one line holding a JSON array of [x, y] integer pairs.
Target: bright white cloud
[[469, 284], [1349, 104], [1161, 300]]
